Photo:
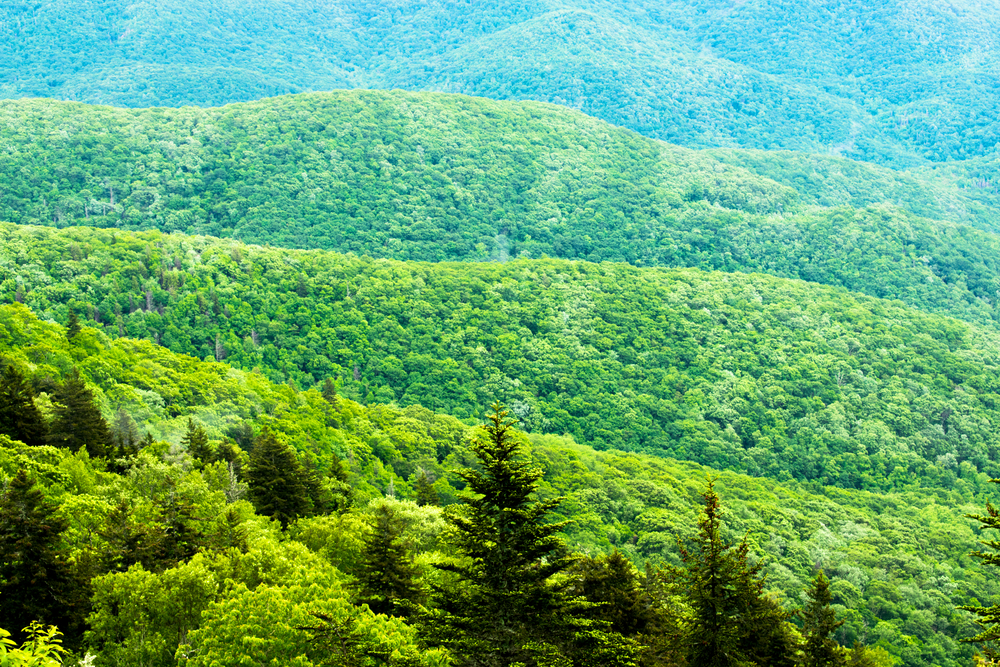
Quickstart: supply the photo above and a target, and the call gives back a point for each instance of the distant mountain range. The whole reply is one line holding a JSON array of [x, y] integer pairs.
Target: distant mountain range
[[900, 85]]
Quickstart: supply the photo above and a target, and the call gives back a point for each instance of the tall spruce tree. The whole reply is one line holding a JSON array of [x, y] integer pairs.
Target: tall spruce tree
[[19, 417], [195, 440], [819, 622], [73, 328], [78, 422], [387, 577], [505, 608], [426, 493], [612, 583], [37, 581], [732, 622], [988, 618], [275, 479]]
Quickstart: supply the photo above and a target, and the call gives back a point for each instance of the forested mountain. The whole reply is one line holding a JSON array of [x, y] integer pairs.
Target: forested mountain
[[887, 82], [185, 564], [745, 372], [438, 177]]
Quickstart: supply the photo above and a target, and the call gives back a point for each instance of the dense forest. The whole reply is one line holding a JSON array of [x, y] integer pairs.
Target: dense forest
[[871, 81], [432, 177], [176, 544]]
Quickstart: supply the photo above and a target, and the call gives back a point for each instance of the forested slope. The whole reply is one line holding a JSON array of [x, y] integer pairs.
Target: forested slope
[[873, 81], [747, 372], [897, 560], [436, 177]]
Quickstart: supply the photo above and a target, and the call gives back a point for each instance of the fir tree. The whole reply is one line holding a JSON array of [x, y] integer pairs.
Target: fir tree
[[37, 581], [125, 435], [732, 623], [387, 578], [988, 617], [195, 440], [505, 607], [818, 624], [78, 421], [73, 328], [19, 417], [426, 493], [330, 393], [275, 480], [614, 585]]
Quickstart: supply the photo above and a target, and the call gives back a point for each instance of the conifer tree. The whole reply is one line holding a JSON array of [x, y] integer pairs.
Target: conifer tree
[[196, 441], [613, 584], [275, 479], [505, 605], [19, 417], [330, 393], [732, 622], [37, 581], [819, 623], [78, 421], [388, 575], [426, 493], [73, 326], [988, 617], [125, 435]]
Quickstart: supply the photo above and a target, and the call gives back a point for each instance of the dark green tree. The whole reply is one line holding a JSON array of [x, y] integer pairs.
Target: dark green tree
[[37, 580], [73, 326], [19, 417], [196, 441], [732, 622], [275, 479], [988, 618], [505, 607], [128, 541], [612, 583], [426, 493], [819, 622], [78, 422], [387, 577]]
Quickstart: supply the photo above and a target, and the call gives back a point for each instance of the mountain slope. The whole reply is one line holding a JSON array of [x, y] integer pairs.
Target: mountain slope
[[889, 82], [444, 177], [745, 372]]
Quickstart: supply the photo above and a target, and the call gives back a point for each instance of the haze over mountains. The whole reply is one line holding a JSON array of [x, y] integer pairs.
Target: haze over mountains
[[899, 83]]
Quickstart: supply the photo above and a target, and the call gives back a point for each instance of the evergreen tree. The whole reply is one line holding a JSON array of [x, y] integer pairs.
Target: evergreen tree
[[129, 541], [19, 417], [78, 422], [37, 581], [505, 608], [614, 585], [125, 435], [73, 326], [988, 617], [819, 623], [426, 493], [275, 479], [387, 578], [732, 623], [330, 393], [196, 441]]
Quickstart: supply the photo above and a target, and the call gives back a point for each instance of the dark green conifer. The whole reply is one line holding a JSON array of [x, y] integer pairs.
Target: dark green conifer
[[330, 393], [37, 581], [19, 417], [275, 479], [732, 623], [388, 576], [128, 541], [819, 622], [505, 607], [73, 326], [614, 585], [195, 440], [426, 493], [988, 618], [78, 422]]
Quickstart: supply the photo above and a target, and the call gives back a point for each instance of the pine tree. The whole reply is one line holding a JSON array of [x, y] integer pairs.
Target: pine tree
[[78, 421], [196, 441], [614, 585], [732, 622], [73, 328], [505, 607], [330, 393], [275, 480], [426, 493], [988, 617], [19, 417], [37, 581], [819, 624], [387, 578]]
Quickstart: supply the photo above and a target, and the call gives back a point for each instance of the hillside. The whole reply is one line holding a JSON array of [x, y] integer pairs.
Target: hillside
[[897, 560], [439, 177], [868, 81], [745, 372]]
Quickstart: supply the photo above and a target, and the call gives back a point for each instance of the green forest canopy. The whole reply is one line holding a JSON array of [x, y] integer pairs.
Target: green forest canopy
[[879, 83], [744, 372], [444, 177], [898, 560]]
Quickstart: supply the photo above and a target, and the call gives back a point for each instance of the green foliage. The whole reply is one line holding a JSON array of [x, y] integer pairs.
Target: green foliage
[[42, 648], [818, 625], [19, 416], [275, 478], [77, 421], [988, 618], [387, 576]]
